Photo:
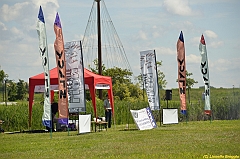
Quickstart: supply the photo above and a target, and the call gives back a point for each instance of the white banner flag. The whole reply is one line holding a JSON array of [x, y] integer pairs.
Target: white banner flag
[[144, 118], [75, 75], [150, 78], [205, 73], [43, 49]]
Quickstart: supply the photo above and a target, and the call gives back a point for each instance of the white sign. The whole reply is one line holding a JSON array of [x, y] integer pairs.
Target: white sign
[[170, 116], [144, 119], [84, 123]]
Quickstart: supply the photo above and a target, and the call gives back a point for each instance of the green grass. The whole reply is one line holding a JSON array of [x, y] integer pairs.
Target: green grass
[[184, 140]]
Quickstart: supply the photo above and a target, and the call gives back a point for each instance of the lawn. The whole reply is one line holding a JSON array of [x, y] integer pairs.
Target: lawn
[[195, 139]]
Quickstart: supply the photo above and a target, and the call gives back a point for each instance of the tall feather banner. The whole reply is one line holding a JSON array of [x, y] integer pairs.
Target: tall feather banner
[[150, 78], [61, 66], [43, 50], [182, 73], [205, 72]]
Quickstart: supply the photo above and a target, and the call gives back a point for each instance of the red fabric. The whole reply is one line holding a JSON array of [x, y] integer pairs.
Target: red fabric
[[208, 112], [90, 78], [52, 95]]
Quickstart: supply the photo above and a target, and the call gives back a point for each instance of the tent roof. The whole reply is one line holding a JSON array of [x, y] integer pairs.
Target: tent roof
[[98, 79]]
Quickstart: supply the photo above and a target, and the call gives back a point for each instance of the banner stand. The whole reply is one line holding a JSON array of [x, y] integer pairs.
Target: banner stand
[[160, 117]]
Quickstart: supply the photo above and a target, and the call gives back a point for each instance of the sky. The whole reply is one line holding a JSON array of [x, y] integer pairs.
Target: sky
[[142, 25]]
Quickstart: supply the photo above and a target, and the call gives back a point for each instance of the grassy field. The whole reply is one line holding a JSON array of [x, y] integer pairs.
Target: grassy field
[[195, 139]]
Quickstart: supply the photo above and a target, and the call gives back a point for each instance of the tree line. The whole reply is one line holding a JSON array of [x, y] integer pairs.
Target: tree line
[[11, 90]]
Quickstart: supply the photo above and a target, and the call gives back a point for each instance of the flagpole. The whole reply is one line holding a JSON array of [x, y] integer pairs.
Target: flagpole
[[186, 117], [128, 114], [51, 133], [211, 117], [158, 88], [84, 100]]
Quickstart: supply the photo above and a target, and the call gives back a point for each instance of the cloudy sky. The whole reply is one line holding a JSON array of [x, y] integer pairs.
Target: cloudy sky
[[141, 25]]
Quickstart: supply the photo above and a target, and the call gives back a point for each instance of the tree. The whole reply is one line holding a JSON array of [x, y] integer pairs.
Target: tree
[[17, 91], [189, 83], [12, 91], [95, 70], [122, 75], [21, 89], [122, 84], [121, 81], [126, 90], [3, 78], [161, 81], [2, 74]]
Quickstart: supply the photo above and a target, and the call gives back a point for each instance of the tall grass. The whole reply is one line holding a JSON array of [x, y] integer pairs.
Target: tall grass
[[224, 103]]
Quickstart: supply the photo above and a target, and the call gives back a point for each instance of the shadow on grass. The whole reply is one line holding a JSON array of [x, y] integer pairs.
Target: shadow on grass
[[33, 131], [128, 129]]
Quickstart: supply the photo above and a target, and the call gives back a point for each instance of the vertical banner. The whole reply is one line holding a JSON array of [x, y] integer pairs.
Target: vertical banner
[[43, 50], [75, 76], [205, 73], [61, 66], [182, 73], [150, 78]]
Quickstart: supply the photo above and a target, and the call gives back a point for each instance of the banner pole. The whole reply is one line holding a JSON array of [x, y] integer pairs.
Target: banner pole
[[128, 115], [211, 117], [51, 118], [158, 88], [160, 117], [50, 133], [186, 117]]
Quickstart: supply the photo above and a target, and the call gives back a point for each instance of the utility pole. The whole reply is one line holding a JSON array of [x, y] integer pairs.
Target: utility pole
[[99, 43]]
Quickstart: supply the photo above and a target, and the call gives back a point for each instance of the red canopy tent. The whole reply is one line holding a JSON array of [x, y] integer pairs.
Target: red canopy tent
[[90, 78]]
